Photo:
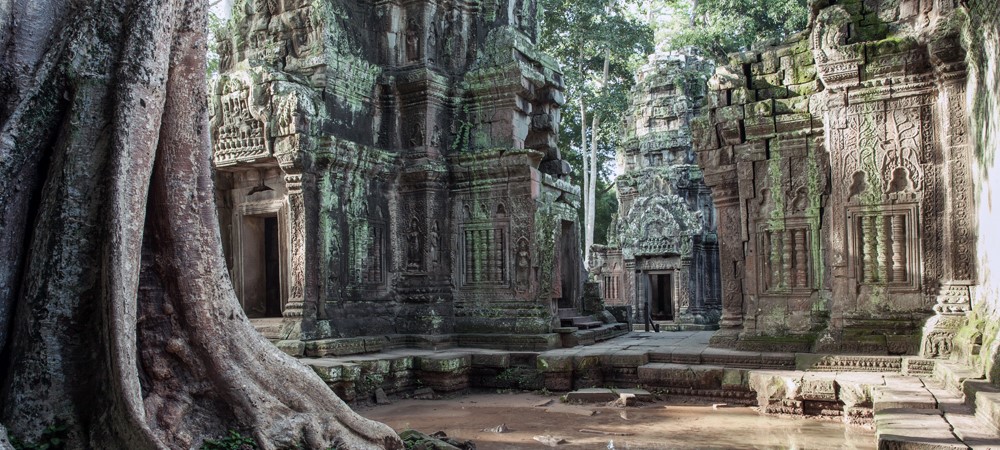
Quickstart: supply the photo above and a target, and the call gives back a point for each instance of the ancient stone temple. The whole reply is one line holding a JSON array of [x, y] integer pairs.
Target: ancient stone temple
[[391, 168], [663, 253], [839, 166]]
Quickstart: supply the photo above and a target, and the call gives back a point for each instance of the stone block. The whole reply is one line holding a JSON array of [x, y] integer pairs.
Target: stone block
[[818, 387], [294, 348], [729, 113], [914, 429], [758, 127], [791, 105], [736, 380], [796, 123], [555, 362], [628, 358], [558, 381], [681, 376], [444, 362], [703, 134], [730, 358], [772, 92], [495, 360], [857, 389], [803, 89], [740, 96], [731, 133], [601, 395], [727, 77], [683, 355], [763, 108]]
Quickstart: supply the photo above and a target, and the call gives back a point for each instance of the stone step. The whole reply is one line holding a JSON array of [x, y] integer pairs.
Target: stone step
[[586, 323], [985, 398], [902, 428], [682, 375], [902, 393], [600, 395], [567, 313]]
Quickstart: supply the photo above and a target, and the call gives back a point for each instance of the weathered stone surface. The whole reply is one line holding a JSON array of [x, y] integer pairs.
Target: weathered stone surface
[[393, 169], [848, 211]]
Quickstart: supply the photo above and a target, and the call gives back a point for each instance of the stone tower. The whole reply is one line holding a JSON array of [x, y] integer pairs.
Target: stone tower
[[663, 255], [391, 168]]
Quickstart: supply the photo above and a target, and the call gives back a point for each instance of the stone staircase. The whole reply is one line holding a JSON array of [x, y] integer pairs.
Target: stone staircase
[[570, 317]]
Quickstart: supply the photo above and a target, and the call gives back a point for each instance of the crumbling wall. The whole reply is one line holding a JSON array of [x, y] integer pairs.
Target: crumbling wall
[[839, 163]]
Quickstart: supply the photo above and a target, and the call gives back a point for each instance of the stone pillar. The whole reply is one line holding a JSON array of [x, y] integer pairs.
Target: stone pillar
[[953, 301], [294, 313], [730, 263]]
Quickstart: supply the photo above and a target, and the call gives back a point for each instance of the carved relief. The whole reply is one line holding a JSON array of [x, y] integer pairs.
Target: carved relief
[[238, 124]]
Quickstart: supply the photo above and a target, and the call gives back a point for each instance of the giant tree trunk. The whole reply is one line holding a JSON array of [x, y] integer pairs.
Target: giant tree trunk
[[117, 319]]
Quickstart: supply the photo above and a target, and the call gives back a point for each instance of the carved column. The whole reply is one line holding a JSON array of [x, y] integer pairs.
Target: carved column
[[730, 263], [958, 254], [295, 310]]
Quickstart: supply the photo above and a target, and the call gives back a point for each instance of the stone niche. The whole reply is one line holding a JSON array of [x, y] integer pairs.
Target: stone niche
[[662, 256], [839, 166], [391, 168]]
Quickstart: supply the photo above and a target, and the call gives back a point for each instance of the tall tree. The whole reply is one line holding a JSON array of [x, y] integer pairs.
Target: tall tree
[[716, 28], [600, 44], [117, 320]]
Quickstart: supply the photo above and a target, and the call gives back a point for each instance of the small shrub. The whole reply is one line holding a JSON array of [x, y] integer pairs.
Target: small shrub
[[233, 441]]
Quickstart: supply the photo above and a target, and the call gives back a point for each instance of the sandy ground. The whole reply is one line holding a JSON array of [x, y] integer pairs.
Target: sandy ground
[[659, 425]]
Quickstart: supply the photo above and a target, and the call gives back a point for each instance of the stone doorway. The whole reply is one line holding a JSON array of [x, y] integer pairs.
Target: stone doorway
[[261, 266], [661, 298], [569, 267]]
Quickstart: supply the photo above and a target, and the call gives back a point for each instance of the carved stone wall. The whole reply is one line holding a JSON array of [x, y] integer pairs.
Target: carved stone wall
[[422, 190], [666, 223], [839, 164]]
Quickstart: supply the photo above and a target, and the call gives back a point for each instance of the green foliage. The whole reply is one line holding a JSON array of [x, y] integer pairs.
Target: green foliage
[[53, 438], [232, 441], [715, 28], [216, 27], [579, 34]]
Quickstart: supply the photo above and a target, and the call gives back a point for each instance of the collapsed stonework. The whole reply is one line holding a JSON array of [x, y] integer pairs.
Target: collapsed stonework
[[392, 168], [662, 256], [839, 162]]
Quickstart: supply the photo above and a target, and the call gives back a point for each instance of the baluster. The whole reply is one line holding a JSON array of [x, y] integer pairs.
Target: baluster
[[881, 268], [865, 233], [786, 258], [801, 259], [898, 238]]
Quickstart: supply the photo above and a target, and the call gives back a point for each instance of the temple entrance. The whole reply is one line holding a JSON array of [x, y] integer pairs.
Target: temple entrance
[[569, 267], [261, 266], [661, 298], [272, 273]]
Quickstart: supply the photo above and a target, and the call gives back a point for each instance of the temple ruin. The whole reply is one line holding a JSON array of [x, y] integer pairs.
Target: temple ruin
[[839, 165], [662, 257], [392, 169]]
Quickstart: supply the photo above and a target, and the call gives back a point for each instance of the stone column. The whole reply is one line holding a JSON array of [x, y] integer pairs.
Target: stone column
[[953, 301], [730, 263], [295, 307]]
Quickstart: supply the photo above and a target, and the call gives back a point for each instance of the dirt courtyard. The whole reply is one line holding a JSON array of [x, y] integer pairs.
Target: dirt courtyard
[[659, 425]]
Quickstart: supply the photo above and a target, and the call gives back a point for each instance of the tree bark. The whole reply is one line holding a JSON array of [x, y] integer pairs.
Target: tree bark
[[591, 189], [126, 329]]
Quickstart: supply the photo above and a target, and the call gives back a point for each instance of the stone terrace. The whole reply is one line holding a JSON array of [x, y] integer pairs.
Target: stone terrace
[[911, 402]]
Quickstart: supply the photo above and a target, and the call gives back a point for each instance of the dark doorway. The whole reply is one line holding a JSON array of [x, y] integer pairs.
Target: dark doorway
[[272, 271], [661, 298], [570, 265]]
